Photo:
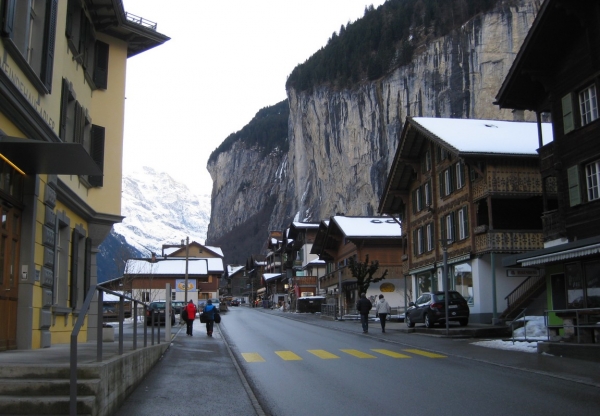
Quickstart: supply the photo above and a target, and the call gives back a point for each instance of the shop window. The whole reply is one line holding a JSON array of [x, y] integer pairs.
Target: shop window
[[463, 281]]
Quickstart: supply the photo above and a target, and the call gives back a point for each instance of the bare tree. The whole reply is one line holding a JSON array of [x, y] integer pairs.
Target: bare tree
[[363, 272]]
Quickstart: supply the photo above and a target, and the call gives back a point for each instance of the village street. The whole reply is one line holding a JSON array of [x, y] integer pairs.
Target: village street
[[290, 367]]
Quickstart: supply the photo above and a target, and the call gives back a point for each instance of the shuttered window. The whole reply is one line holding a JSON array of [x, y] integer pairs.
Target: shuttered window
[[588, 105], [567, 110], [97, 154], [592, 174]]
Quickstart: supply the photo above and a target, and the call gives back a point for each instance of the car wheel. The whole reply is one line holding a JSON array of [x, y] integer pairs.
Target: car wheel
[[428, 323], [463, 322], [409, 323]]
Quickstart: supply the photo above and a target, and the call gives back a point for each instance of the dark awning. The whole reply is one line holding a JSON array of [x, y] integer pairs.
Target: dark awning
[[35, 156]]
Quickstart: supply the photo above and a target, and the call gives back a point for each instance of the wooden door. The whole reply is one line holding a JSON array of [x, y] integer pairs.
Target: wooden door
[[10, 230]]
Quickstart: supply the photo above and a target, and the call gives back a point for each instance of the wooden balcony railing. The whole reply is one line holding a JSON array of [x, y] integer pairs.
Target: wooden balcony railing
[[508, 241]]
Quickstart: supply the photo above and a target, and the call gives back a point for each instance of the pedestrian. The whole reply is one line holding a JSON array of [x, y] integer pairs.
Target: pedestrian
[[209, 313], [363, 306], [382, 308], [189, 312]]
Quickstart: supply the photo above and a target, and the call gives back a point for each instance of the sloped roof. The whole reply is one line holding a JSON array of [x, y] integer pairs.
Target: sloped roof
[[367, 227], [176, 265]]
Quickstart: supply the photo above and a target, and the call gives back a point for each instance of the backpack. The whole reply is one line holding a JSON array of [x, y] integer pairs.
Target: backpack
[[184, 314]]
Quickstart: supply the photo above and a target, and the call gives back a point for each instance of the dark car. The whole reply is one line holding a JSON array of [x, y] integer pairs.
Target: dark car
[[430, 309], [177, 305], [158, 309], [235, 302]]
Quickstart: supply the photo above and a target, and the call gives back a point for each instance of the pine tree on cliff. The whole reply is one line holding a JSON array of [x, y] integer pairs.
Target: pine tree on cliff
[[363, 272]]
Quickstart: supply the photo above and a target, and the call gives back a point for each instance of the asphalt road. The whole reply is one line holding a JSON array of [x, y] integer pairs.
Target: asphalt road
[[296, 368], [259, 363]]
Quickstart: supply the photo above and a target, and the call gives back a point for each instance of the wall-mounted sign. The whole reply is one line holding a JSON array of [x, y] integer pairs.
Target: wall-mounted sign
[[387, 287], [180, 285], [522, 272]]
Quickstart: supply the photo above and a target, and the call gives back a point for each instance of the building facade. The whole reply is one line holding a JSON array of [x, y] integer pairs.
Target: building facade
[[62, 97]]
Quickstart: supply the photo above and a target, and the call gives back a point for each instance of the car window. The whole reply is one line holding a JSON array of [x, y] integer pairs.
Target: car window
[[423, 299]]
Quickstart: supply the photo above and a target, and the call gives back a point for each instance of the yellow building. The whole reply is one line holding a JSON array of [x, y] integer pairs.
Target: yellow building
[[62, 100]]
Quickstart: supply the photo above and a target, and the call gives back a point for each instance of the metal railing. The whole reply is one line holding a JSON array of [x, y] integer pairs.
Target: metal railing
[[528, 286], [83, 314], [580, 321], [515, 321], [140, 21]]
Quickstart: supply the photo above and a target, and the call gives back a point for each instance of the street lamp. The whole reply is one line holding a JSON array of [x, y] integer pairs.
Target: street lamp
[[187, 256], [445, 278]]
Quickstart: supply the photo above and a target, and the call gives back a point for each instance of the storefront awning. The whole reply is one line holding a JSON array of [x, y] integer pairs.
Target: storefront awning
[[561, 255], [571, 250], [36, 156]]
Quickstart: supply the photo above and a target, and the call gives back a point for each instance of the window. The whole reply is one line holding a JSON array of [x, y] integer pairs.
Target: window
[[463, 224], [90, 53], [427, 161], [460, 175], [61, 278], [592, 174], [427, 192], [588, 105], [29, 30], [430, 236], [419, 199], [446, 187], [447, 227], [420, 242]]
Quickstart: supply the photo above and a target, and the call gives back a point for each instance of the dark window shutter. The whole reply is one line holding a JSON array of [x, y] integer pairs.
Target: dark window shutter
[[9, 18], [79, 123], [74, 266], [97, 154], [573, 180], [414, 242], [64, 104], [567, 110], [441, 184], [70, 17], [443, 230], [49, 45], [88, 266], [101, 65]]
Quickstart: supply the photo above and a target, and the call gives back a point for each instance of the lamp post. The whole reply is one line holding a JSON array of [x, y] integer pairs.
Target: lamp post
[[445, 278], [187, 256], [287, 294]]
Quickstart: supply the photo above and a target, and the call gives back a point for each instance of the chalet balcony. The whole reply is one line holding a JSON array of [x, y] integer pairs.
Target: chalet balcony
[[507, 241], [333, 277], [140, 21], [305, 280], [554, 226], [547, 159]]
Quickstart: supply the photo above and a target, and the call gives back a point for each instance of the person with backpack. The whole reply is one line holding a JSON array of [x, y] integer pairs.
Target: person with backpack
[[209, 315], [363, 306], [188, 313]]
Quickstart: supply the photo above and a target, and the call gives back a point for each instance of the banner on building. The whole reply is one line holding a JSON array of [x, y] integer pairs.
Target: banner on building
[[180, 285]]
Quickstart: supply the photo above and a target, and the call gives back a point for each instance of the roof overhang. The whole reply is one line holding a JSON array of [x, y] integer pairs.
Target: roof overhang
[[36, 156]]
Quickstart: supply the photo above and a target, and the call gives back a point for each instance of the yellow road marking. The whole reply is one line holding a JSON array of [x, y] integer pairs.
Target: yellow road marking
[[358, 354], [288, 356], [391, 353], [426, 354], [323, 354], [253, 357]]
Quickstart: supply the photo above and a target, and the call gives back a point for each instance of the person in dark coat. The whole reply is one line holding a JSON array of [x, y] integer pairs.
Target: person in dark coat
[[363, 306], [190, 315], [209, 311]]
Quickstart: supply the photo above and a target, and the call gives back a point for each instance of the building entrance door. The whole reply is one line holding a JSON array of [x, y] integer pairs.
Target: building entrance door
[[10, 231]]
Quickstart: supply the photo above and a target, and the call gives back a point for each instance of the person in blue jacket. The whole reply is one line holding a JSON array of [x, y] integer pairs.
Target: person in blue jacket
[[209, 312]]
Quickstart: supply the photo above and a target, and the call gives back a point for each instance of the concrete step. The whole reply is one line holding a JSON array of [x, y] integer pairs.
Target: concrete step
[[47, 371], [45, 405], [47, 387]]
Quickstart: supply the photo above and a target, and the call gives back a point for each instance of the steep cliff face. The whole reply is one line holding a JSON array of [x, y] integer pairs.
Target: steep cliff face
[[342, 142]]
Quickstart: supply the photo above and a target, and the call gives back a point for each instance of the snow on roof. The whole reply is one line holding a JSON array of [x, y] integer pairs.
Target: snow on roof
[[368, 226], [305, 224], [234, 269], [175, 266], [216, 250], [269, 276], [316, 261], [487, 136]]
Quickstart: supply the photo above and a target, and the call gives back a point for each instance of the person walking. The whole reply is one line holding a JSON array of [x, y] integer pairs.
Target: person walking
[[189, 314], [209, 313], [382, 309], [363, 306]]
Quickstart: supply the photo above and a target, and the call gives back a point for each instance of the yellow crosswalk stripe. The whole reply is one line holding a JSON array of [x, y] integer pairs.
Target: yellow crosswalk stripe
[[425, 353], [253, 357], [288, 356], [323, 354], [391, 353], [358, 354]]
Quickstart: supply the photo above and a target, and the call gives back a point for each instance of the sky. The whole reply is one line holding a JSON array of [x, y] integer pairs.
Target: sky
[[225, 61]]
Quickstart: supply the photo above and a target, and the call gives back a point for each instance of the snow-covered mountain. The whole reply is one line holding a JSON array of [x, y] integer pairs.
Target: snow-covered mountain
[[158, 210]]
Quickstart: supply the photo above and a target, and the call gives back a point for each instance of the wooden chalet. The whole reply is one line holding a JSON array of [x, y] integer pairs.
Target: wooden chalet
[[472, 188], [342, 237], [557, 71]]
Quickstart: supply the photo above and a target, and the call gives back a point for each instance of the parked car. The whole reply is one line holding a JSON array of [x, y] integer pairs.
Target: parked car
[[109, 312], [235, 302], [430, 309], [158, 308], [202, 304], [177, 305]]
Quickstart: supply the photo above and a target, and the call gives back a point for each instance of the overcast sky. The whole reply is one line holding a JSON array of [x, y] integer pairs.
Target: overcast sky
[[225, 61]]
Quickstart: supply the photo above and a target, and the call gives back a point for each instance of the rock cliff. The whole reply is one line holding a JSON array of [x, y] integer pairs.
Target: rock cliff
[[342, 142]]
